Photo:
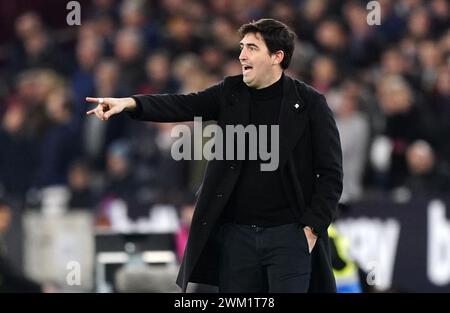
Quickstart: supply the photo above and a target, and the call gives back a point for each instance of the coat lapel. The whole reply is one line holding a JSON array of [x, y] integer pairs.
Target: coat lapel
[[292, 120], [240, 102]]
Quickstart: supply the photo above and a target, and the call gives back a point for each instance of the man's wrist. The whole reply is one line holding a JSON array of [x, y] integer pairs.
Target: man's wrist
[[130, 105]]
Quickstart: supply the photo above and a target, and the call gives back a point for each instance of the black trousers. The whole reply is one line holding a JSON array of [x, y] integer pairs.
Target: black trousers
[[257, 259]]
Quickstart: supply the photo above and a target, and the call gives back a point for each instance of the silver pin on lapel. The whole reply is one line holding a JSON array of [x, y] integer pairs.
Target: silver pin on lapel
[[296, 105]]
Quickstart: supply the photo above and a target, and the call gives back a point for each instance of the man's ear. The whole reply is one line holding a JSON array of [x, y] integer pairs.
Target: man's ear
[[278, 57]]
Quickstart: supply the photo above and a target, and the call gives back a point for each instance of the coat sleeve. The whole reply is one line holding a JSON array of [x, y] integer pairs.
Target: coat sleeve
[[327, 167], [179, 108]]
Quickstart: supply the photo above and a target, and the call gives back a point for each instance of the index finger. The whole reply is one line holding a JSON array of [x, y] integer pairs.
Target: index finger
[[92, 100]]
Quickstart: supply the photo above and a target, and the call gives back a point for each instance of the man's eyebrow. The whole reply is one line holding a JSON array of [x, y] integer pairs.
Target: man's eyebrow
[[248, 45]]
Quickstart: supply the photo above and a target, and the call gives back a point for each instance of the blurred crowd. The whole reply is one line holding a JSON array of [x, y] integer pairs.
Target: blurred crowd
[[388, 85]]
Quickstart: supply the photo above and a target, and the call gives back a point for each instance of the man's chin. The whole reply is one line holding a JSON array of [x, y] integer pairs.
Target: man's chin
[[247, 81]]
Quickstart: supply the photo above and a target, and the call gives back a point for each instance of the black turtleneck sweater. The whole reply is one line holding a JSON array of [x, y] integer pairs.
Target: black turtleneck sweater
[[259, 197]]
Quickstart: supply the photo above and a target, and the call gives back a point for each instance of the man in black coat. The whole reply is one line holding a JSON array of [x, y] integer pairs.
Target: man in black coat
[[256, 230]]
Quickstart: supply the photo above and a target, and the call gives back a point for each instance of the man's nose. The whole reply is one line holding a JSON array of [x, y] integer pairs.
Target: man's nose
[[242, 55]]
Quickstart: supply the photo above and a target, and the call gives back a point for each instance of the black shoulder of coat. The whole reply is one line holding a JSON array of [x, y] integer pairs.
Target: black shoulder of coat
[[233, 82], [307, 91]]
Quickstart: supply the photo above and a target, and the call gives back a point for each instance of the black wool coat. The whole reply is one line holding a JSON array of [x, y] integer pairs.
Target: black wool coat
[[310, 160]]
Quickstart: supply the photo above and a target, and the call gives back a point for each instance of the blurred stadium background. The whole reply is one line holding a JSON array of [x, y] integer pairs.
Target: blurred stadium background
[[88, 206]]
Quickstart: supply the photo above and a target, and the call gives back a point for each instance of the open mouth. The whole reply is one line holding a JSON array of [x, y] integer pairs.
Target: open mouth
[[246, 68]]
